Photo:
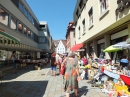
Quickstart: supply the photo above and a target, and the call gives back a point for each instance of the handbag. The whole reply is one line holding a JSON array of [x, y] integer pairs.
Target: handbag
[[62, 71]]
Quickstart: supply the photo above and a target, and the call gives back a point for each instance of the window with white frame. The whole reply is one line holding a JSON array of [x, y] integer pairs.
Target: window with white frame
[[84, 28], [79, 31], [104, 4], [90, 13]]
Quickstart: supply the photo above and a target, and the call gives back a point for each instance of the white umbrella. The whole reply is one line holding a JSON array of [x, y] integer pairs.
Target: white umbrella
[[122, 45]]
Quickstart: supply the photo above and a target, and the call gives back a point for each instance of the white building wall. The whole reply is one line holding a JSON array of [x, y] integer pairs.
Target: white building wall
[[60, 48]]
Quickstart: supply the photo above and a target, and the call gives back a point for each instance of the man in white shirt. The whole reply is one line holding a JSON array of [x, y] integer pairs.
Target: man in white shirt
[[4, 57]]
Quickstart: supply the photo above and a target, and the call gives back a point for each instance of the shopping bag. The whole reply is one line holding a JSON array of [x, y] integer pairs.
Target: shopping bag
[[62, 71]]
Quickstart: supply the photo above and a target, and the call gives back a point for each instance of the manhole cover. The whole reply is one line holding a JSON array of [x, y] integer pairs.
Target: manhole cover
[[42, 74]]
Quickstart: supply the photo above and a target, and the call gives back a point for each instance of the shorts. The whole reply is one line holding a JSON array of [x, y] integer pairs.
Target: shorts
[[53, 68], [14, 65]]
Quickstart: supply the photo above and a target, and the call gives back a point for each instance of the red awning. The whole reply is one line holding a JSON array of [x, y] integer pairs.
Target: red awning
[[125, 79], [77, 47]]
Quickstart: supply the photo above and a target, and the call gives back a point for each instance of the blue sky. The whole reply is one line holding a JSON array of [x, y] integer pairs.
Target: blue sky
[[58, 13]]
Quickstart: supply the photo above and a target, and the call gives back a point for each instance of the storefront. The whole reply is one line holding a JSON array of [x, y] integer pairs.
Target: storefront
[[91, 49], [119, 37], [100, 48]]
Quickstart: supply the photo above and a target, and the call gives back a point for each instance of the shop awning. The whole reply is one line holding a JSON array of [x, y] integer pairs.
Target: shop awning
[[77, 47], [9, 37]]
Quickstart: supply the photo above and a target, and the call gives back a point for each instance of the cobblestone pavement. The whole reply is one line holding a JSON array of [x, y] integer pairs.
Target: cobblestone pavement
[[39, 83]]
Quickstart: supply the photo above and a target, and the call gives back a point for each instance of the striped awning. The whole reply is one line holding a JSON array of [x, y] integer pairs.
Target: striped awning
[[4, 35]]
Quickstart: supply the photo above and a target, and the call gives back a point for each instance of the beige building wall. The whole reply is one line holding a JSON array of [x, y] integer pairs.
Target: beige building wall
[[101, 22], [72, 39], [102, 26]]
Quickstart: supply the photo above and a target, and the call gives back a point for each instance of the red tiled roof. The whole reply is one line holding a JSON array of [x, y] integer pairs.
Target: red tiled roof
[[56, 42]]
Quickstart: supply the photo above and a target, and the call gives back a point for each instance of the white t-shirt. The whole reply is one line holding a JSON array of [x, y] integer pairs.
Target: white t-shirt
[[4, 58], [57, 57]]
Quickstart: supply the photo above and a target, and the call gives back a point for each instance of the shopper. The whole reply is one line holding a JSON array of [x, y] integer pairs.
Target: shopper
[[4, 58], [59, 62], [85, 61], [71, 76], [14, 58], [53, 64]]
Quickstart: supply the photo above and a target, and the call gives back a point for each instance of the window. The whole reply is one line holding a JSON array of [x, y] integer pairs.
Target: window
[[13, 23], [79, 31], [25, 31], [84, 28], [25, 12], [32, 35], [81, 4], [32, 20], [29, 33], [29, 16], [90, 13], [21, 6], [20, 28], [77, 13], [4, 17], [104, 4], [42, 40], [35, 38]]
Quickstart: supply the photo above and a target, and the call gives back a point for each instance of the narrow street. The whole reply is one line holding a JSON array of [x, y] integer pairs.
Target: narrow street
[[39, 83]]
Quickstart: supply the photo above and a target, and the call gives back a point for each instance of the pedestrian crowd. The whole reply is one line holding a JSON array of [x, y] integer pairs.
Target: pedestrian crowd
[[69, 69]]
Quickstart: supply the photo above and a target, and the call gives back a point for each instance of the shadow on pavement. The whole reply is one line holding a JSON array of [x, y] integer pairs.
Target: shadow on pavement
[[82, 92], [23, 89], [30, 68]]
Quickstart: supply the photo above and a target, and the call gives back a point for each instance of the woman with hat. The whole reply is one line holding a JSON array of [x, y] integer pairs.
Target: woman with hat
[[71, 75], [53, 64]]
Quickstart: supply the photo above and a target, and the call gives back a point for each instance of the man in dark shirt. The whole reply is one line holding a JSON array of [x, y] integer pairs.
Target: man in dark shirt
[[53, 64]]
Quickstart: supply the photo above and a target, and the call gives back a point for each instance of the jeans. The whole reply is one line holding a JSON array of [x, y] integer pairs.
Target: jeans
[[53, 68]]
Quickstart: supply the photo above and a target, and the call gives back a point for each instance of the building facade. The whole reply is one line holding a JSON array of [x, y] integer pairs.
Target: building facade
[[18, 20], [101, 23], [60, 46], [45, 39], [70, 36]]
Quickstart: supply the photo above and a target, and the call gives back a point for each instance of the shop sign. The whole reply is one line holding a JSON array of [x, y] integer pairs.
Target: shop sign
[[122, 4]]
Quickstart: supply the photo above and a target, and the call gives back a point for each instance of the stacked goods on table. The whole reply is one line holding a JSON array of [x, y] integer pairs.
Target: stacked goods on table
[[111, 79], [37, 68]]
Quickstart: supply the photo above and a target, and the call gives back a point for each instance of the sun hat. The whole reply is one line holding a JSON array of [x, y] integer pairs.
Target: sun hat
[[71, 54]]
